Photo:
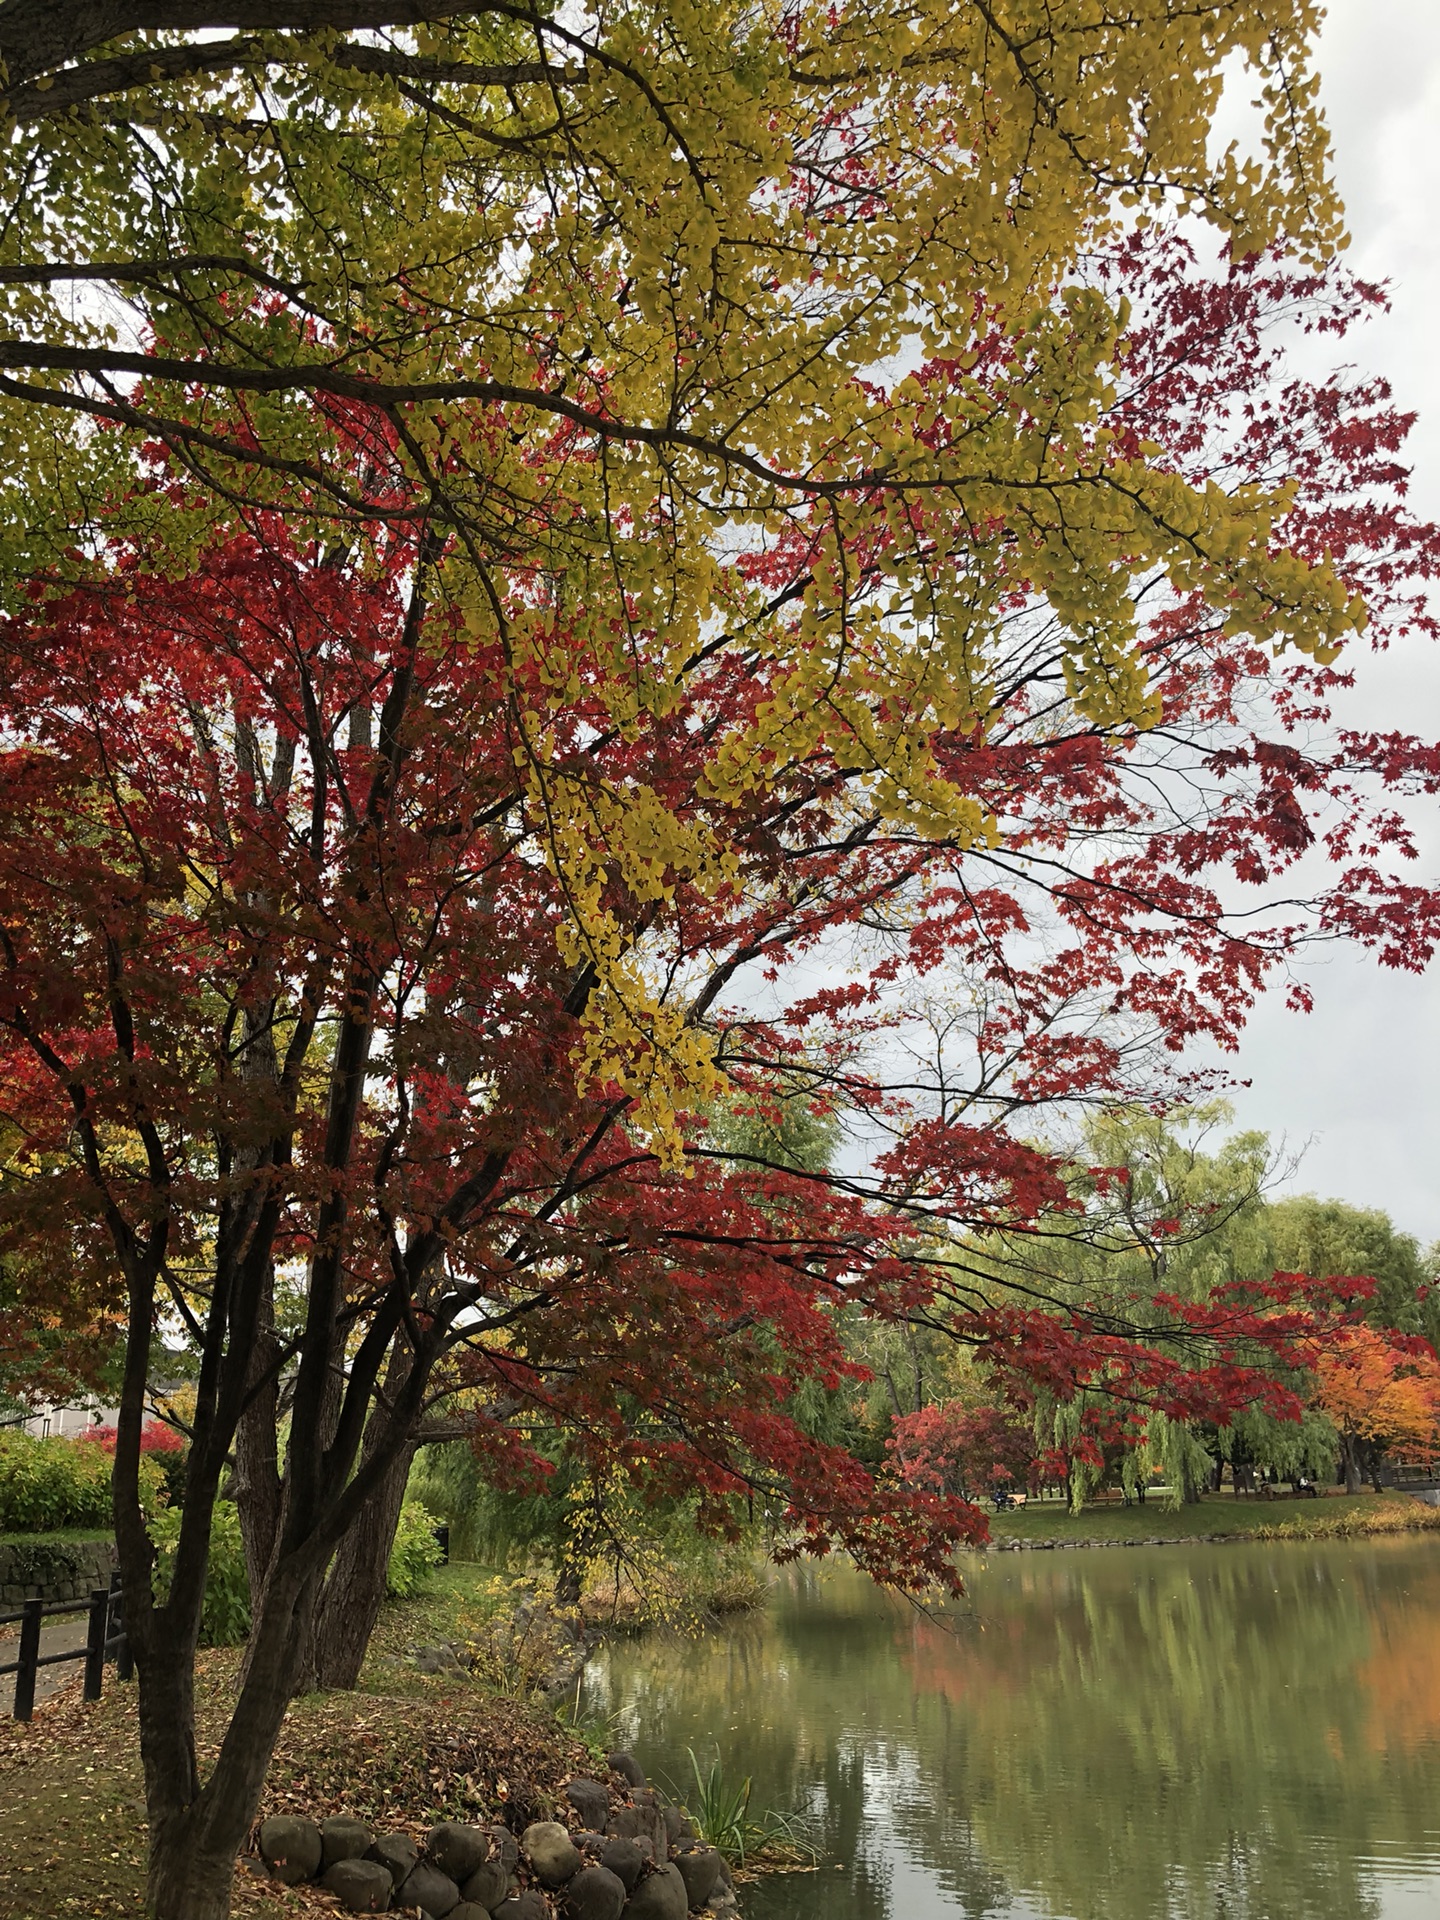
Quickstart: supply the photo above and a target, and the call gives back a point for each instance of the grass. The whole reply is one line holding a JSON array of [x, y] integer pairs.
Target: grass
[[1339, 1515], [66, 1536], [724, 1818], [461, 1603], [508, 1646]]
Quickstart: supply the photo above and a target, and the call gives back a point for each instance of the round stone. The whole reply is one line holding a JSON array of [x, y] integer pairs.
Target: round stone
[[594, 1894], [398, 1852], [624, 1858], [361, 1886], [551, 1852], [487, 1885], [505, 1847], [342, 1838], [457, 1850], [678, 1825], [433, 1892], [290, 1846], [699, 1868], [627, 1766], [529, 1905], [590, 1800], [660, 1895]]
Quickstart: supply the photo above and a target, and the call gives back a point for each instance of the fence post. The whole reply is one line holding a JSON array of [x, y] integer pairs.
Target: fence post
[[95, 1641], [29, 1654]]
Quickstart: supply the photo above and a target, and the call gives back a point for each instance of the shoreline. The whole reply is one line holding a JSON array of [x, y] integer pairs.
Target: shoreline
[[1364, 1516]]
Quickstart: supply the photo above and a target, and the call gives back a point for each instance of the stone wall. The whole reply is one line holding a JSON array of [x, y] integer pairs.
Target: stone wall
[[616, 1851], [53, 1569]]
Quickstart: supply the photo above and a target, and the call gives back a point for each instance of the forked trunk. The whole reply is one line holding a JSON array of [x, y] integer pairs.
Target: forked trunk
[[197, 1832]]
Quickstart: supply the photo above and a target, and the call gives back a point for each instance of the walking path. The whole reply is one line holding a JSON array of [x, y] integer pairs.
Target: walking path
[[56, 1636]]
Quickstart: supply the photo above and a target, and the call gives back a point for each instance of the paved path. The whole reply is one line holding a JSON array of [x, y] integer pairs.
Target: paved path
[[56, 1636]]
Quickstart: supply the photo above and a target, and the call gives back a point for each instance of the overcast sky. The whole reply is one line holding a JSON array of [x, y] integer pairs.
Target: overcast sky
[[1359, 1078]]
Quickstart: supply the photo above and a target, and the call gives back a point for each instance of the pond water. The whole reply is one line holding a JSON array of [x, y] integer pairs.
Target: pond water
[[1245, 1732]]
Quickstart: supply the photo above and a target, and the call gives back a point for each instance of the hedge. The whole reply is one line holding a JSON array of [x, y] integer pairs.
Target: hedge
[[47, 1485]]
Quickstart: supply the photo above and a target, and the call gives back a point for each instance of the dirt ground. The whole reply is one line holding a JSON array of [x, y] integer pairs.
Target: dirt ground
[[72, 1813]]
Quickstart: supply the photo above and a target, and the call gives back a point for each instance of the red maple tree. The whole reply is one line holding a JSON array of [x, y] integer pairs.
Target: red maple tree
[[287, 1001], [952, 1448]]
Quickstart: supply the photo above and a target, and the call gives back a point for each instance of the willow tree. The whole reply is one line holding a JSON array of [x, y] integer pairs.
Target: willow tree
[[516, 521]]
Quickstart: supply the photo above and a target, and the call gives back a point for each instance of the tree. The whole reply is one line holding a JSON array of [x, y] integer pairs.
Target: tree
[[1307, 1235], [514, 637], [1383, 1393], [970, 1450], [1162, 1219]]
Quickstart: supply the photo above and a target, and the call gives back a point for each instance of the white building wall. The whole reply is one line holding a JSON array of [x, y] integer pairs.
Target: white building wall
[[52, 1419]]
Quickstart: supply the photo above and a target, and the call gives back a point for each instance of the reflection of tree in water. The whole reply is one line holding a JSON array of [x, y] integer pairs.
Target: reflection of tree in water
[[1206, 1734], [1176, 1734]]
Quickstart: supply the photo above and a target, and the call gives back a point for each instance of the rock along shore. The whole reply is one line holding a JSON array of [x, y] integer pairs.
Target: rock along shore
[[616, 1851]]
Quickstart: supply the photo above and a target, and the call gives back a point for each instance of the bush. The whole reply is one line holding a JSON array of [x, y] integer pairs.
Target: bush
[[225, 1616], [169, 1449], [415, 1554], [46, 1485]]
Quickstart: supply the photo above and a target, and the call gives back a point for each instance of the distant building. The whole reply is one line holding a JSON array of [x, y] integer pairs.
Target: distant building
[[50, 1419]]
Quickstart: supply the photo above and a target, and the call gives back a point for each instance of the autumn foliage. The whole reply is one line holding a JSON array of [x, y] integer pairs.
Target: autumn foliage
[[972, 1451], [693, 564], [1382, 1392], [336, 808]]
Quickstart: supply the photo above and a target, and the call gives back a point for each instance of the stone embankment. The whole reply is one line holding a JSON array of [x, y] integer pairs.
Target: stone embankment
[[52, 1570], [617, 1851], [1061, 1546]]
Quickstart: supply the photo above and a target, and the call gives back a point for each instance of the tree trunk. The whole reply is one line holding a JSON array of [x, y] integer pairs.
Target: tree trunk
[[257, 1486], [1349, 1454], [196, 1832], [355, 1590], [183, 1882], [257, 1490]]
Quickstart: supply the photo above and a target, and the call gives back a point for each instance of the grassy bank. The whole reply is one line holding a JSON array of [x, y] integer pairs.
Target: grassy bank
[[61, 1536], [405, 1750], [1338, 1517]]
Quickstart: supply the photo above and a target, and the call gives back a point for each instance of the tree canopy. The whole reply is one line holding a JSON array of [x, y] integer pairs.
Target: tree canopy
[[696, 556]]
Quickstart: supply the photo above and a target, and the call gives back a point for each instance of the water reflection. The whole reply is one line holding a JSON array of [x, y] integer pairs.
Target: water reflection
[[1209, 1733]]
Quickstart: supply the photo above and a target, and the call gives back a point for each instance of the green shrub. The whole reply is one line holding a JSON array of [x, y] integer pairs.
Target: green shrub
[[225, 1616], [174, 1464], [415, 1554], [46, 1485]]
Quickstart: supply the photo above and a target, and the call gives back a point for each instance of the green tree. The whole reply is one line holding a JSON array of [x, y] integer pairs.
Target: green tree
[[1323, 1237]]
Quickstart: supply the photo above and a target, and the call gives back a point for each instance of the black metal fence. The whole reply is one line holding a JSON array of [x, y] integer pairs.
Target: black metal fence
[[104, 1637]]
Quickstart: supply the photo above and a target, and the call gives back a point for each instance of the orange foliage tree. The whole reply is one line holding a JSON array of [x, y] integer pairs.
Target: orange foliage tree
[[1383, 1393]]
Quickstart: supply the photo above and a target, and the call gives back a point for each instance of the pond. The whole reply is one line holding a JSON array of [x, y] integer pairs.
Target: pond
[[1247, 1732]]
